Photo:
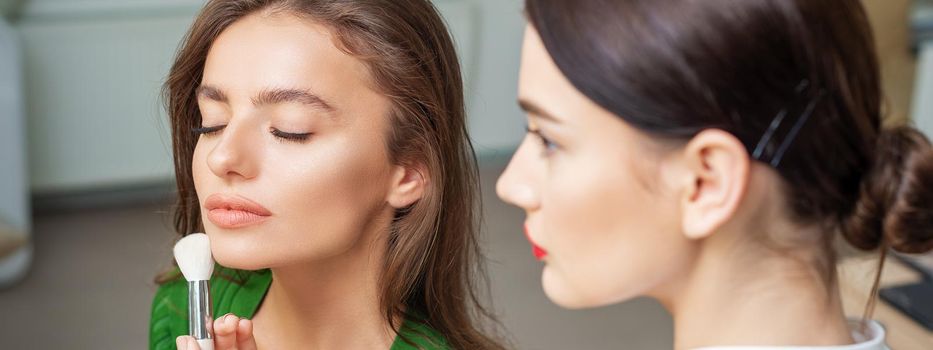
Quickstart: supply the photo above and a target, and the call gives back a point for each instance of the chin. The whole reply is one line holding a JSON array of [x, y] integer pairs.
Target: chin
[[236, 254], [240, 261], [559, 290], [573, 294]]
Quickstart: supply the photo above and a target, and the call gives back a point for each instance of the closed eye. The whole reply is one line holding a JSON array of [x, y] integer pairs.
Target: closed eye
[[209, 130], [291, 137]]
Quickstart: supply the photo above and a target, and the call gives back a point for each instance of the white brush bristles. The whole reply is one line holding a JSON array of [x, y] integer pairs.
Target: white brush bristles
[[193, 254]]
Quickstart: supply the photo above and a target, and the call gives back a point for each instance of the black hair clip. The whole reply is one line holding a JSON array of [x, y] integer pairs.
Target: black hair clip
[[778, 155]]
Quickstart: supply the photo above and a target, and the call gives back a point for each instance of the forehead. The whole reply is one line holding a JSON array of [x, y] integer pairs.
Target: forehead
[[280, 50], [539, 78], [542, 84]]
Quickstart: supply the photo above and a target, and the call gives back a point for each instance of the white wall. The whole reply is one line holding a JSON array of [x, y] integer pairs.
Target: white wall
[[923, 91], [496, 122], [93, 72], [14, 202], [94, 69]]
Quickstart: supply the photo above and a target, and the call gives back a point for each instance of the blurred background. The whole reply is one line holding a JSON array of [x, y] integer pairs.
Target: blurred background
[[86, 179]]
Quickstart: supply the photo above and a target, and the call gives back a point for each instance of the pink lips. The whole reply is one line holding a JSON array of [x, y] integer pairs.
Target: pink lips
[[231, 211], [536, 250]]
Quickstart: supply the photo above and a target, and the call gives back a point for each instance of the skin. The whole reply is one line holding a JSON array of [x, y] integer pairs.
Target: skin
[[332, 196], [623, 215]]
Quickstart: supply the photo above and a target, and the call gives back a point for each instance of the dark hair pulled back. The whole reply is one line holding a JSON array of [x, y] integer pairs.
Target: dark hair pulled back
[[673, 68]]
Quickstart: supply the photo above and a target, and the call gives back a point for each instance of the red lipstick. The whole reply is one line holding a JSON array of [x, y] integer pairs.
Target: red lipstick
[[536, 250]]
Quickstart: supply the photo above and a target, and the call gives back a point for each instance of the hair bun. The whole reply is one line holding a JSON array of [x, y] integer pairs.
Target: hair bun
[[895, 205]]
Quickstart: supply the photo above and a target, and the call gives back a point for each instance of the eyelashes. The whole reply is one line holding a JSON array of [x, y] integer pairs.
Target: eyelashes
[[210, 130], [288, 136], [547, 145], [279, 134]]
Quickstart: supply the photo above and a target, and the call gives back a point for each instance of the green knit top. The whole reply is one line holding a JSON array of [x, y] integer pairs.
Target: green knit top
[[240, 293]]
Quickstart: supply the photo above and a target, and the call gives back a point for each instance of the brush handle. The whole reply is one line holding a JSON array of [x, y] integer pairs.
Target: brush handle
[[206, 344], [199, 310]]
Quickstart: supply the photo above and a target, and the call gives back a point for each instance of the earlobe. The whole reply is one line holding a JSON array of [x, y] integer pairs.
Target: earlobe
[[408, 186], [719, 169]]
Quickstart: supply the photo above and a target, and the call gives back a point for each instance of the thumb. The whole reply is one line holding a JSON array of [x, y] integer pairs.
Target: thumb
[[205, 344], [187, 342], [244, 335]]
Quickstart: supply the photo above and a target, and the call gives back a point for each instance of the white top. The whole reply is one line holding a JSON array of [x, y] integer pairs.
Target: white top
[[874, 340]]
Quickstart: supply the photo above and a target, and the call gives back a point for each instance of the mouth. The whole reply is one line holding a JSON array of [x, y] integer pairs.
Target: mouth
[[536, 250], [233, 211]]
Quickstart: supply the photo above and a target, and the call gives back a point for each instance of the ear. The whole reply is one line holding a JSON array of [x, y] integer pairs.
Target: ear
[[408, 185], [717, 167]]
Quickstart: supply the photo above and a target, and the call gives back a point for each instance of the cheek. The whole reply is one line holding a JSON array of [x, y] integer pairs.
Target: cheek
[[325, 199], [337, 191], [610, 237], [199, 170]]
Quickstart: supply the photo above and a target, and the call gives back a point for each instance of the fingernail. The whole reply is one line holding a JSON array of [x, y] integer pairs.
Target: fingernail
[[180, 343], [191, 343]]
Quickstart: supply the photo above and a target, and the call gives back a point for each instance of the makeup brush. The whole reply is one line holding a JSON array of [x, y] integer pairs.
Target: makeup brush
[[193, 254]]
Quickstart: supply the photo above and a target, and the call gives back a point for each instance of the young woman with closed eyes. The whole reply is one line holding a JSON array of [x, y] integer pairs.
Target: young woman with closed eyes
[[322, 146]]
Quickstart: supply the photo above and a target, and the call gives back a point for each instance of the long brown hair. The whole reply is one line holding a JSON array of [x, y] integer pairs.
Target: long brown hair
[[433, 266], [796, 81]]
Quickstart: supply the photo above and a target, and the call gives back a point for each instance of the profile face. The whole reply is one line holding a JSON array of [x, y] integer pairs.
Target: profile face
[[606, 229], [292, 164]]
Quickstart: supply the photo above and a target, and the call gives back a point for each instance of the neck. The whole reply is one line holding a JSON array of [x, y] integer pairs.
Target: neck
[[740, 297], [327, 304]]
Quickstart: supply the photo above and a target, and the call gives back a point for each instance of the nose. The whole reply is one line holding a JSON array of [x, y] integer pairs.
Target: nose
[[518, 184], [232, 156]]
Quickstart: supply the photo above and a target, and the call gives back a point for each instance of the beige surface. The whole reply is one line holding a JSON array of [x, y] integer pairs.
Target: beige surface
[[889, 20], [856, 278], [10, 239]]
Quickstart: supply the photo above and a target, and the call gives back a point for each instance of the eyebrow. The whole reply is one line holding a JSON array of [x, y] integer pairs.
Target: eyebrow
[[270, 97], [210, 93], [534, 109]]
